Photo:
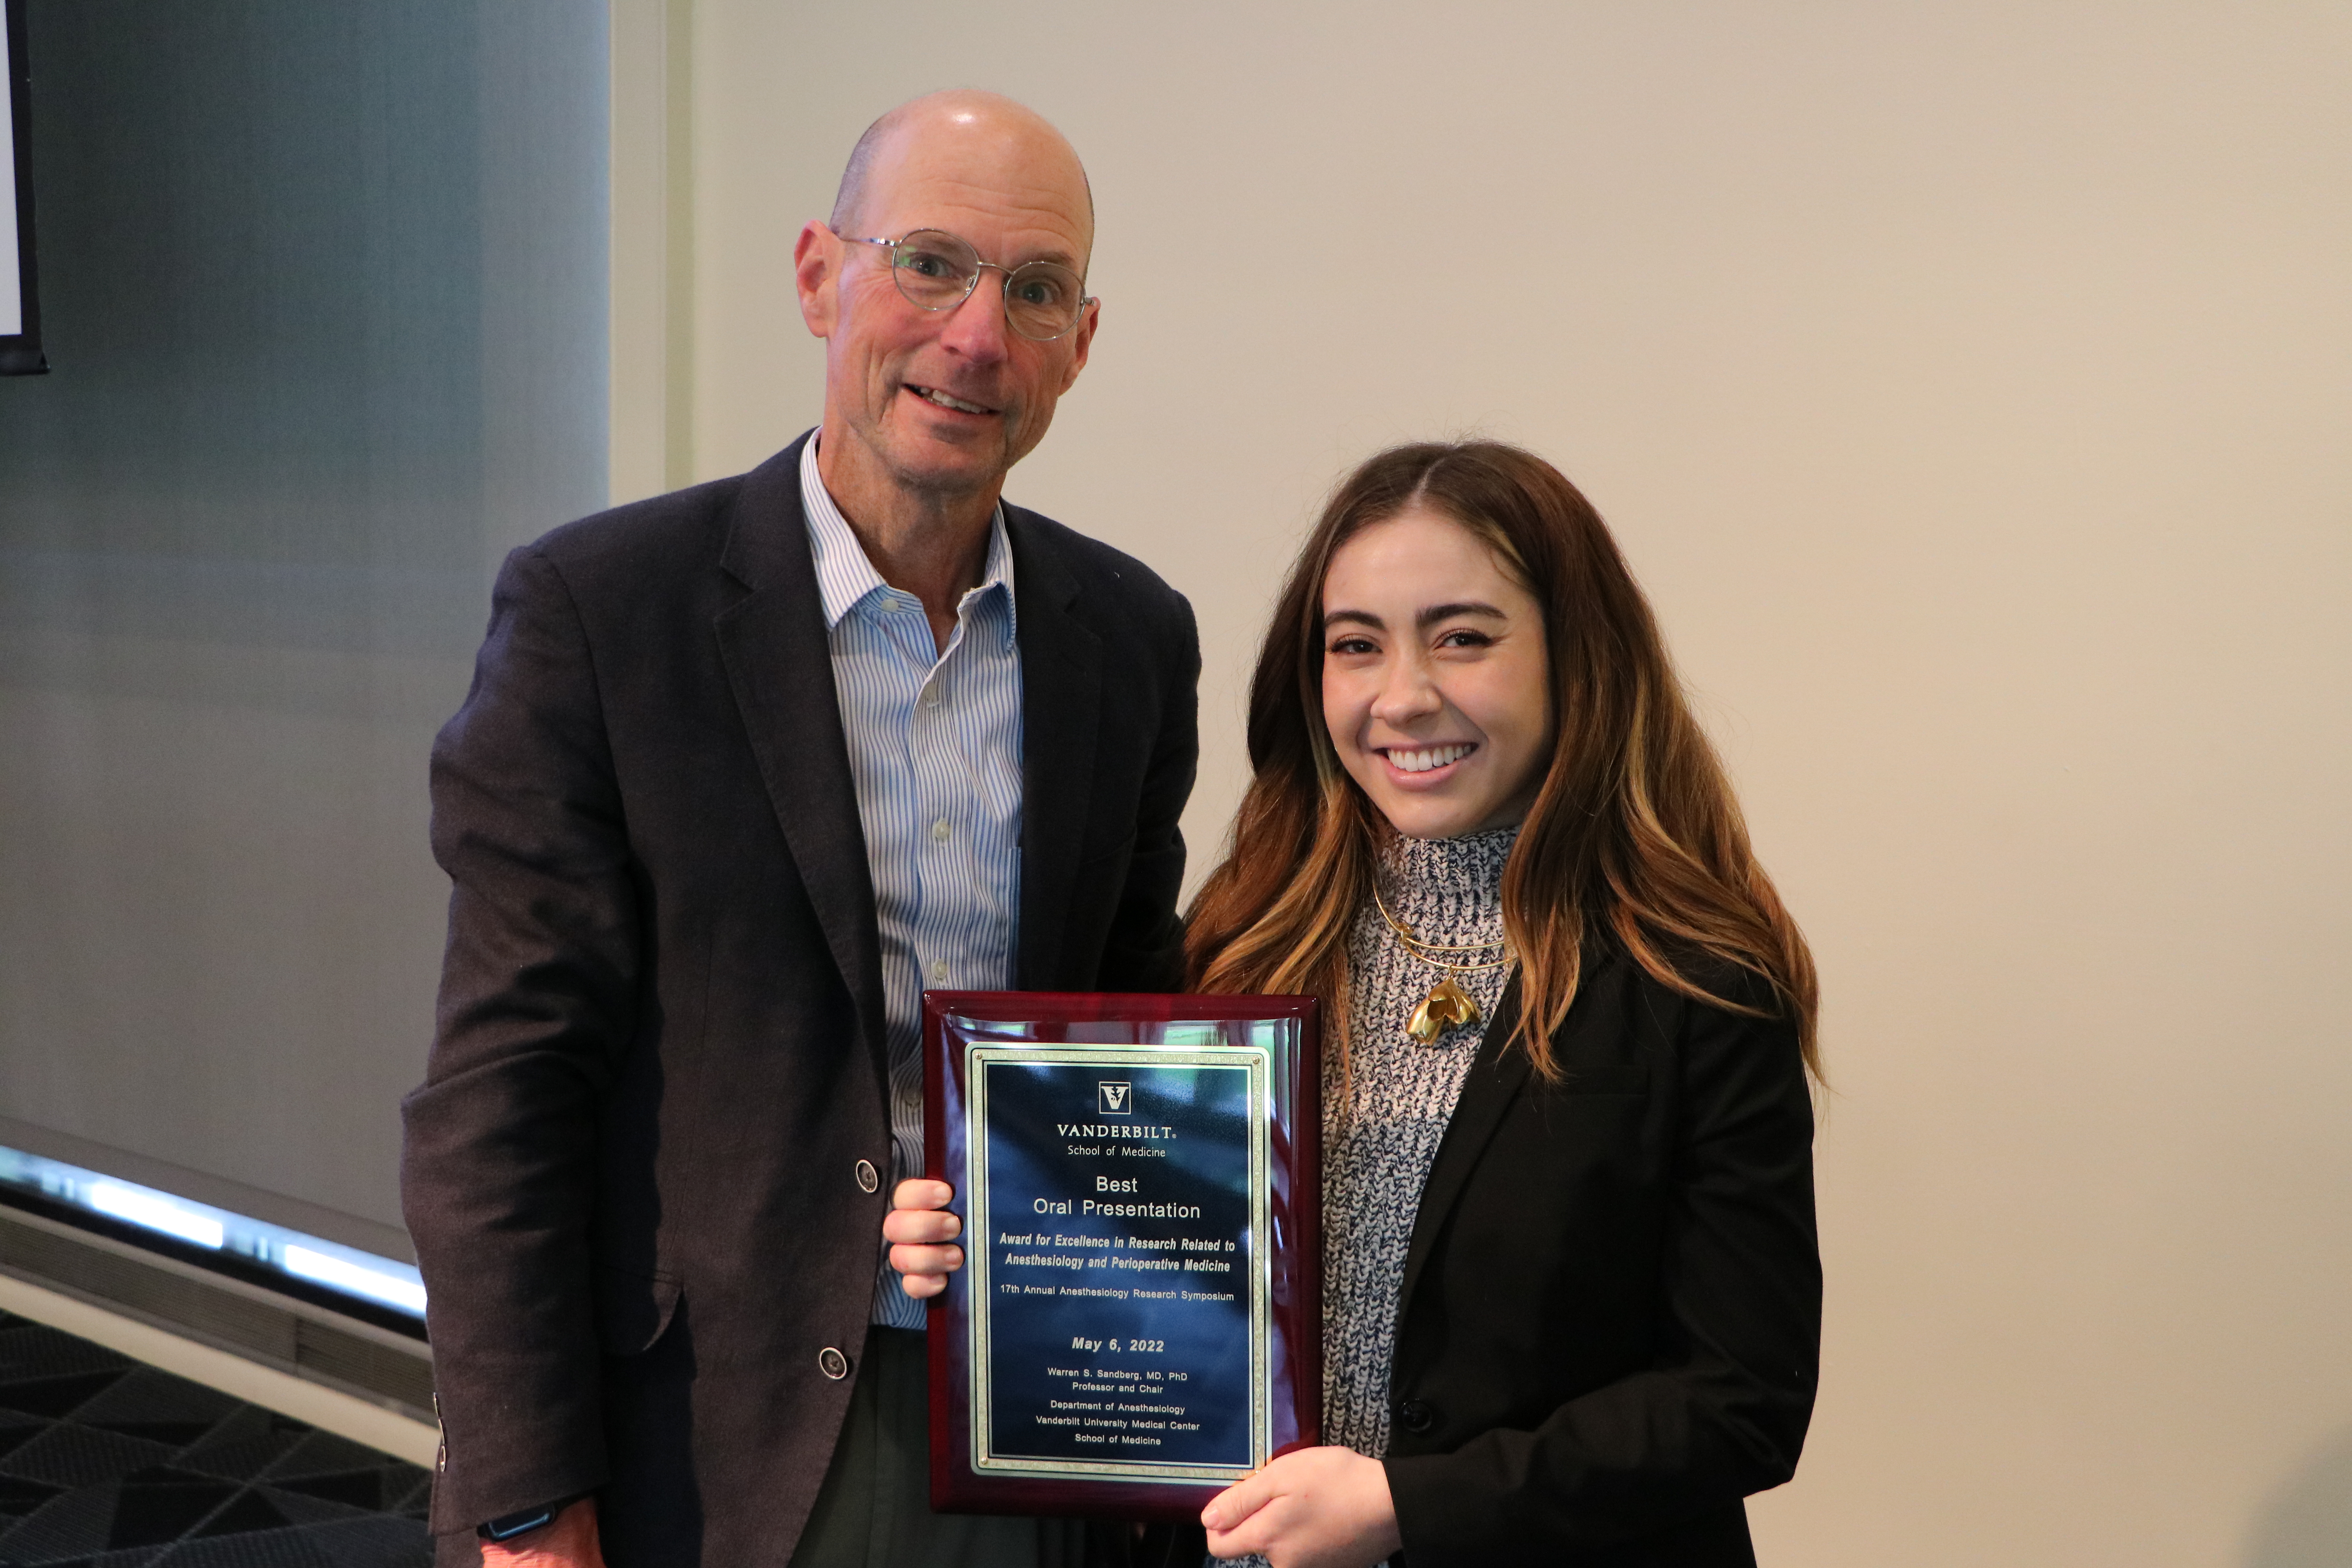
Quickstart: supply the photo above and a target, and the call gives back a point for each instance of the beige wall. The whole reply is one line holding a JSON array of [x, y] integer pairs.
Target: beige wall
[[1969, 383]]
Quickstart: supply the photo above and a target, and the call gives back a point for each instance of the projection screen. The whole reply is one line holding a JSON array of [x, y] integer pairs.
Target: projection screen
[[20, 336]]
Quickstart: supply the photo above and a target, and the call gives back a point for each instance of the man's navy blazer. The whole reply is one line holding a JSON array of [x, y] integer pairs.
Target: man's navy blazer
[[632, 1172]]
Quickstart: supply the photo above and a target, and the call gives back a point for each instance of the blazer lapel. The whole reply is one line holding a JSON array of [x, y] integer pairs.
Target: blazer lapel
[[779, 665], [1495, 1078], [1061, 688]]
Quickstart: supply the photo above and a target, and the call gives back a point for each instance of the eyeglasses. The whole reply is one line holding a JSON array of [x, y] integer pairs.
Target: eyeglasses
[[937, 271]]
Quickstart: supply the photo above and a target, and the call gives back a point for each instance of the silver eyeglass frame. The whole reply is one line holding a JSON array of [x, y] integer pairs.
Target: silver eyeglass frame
[[970, 282]]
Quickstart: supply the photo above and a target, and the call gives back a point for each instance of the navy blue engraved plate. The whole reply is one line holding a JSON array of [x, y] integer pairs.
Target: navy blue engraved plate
[[1131, 1331]]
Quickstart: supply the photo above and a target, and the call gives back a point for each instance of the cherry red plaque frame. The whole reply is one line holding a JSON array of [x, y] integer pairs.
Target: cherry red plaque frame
[[1294, 1322]]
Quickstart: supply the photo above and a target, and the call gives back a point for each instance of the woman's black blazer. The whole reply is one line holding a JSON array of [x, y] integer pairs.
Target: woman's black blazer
[[1610, 1320]]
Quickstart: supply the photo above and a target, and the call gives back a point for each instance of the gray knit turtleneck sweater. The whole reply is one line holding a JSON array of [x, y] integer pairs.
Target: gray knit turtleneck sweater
[[1380, 1136]]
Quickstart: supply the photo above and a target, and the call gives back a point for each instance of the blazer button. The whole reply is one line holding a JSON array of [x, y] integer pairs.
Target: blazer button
[[867, 1177], [832, 1363], [1414, 1415]]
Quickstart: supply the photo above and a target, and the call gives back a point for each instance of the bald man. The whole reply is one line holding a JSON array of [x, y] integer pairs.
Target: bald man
[[744, 770]]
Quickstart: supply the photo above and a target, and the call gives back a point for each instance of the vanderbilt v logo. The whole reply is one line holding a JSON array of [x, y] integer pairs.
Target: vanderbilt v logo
[[1115, 1099]]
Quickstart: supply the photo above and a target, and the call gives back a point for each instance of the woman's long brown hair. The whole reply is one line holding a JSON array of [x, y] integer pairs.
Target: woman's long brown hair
[[1633, 832]]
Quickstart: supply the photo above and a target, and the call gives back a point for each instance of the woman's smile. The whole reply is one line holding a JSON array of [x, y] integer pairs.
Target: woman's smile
[[1426, 761]]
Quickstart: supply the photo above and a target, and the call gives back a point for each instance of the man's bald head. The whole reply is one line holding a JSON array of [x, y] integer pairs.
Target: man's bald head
[[971, 120], [931, 400]]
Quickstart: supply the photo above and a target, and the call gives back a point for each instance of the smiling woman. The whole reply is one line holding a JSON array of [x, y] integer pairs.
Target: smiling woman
[[1571, 1288]]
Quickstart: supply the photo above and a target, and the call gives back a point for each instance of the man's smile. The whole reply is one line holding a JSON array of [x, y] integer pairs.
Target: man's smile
[[939, 399]]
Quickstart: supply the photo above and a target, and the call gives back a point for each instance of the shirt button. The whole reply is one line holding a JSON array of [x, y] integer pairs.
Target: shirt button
[[940, 969], [832, 1363], [1415, 1416], [939, 831], [867, 1177]]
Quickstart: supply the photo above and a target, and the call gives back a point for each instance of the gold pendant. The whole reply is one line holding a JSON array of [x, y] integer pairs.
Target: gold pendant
[[1447, 1006]]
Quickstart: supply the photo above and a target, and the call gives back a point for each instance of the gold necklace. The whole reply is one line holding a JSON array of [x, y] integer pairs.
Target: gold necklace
[[1447, 1005]]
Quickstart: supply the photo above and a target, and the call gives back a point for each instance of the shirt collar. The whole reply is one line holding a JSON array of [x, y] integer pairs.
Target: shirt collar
[[844, 577]]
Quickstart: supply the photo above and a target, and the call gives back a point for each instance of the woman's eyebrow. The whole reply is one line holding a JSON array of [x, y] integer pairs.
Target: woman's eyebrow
[[1436, 613], [1357, 617]]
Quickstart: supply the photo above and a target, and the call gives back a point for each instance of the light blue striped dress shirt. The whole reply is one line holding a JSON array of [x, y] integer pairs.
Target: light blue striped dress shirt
[[935, 750]]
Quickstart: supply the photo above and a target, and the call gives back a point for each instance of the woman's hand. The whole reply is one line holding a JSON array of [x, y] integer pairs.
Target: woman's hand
[[917, 1231], [1318, 1508]]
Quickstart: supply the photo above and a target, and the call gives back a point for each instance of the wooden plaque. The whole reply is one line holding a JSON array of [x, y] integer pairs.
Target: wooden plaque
[[1138, 1321]]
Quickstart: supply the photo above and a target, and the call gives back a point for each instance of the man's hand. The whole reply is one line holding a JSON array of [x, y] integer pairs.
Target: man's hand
[[917, 1233], [1318, 1508], [569, 1541]]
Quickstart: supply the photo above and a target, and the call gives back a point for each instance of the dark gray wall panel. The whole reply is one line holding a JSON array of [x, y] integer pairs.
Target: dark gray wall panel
[[324, 289]]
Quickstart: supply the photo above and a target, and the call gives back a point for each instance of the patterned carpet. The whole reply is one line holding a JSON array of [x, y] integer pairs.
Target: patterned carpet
[[105, 1463]]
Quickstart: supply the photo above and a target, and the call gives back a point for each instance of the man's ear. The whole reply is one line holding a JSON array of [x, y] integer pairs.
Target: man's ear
[[816, 273], [1083, 335]]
